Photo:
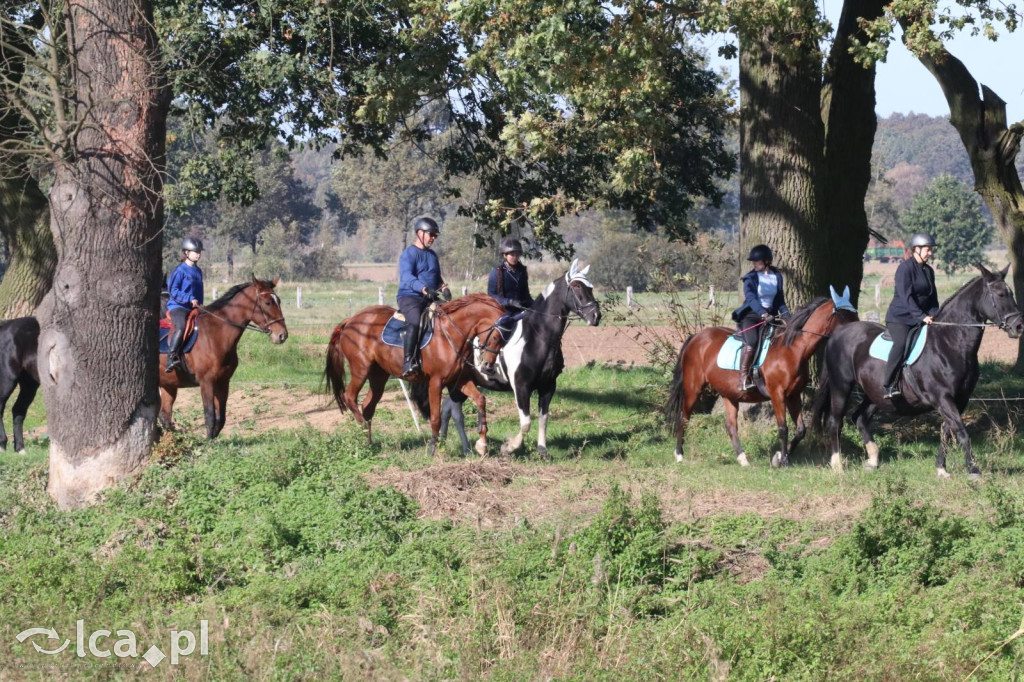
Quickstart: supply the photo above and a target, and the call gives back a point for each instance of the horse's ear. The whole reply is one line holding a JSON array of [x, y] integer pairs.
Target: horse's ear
[[254, 280], [1002, 273], [276, 280], [584, 271], [983, 270], [846, 293]]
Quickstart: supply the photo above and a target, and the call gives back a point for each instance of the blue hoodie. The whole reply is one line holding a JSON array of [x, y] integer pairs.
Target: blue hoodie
[[185, 284]]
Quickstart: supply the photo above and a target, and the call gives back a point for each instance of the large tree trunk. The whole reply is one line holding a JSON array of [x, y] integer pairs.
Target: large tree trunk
[[781, 161], [98, 344], [992, 148], [25, 224]]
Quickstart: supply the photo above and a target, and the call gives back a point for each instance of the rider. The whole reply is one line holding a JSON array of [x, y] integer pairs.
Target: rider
[[763, 301], [914, 301], [185, 292], [419, 283], [509, 282]]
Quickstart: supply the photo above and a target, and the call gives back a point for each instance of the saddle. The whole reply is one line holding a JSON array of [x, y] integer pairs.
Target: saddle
[[915, 345], [729, 353], [167, 326], [391, 335]]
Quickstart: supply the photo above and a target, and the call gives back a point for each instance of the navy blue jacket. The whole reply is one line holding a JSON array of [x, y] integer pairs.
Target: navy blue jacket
[[418, 268], [915, 297], [186, 283], [751, 301], [510, 286]]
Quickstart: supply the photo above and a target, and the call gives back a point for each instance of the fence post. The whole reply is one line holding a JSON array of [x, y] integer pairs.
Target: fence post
[[215, 294], [298, 297], [380, 295], [711, 296], [463, 290], [878, 295], [629, 297]]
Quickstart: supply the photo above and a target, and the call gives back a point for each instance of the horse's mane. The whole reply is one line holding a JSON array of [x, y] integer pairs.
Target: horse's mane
[[469, 299], [949, 300], [798, 319], [233, 291]]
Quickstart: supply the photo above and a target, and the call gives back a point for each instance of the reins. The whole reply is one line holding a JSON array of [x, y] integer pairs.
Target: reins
[[249, 324]]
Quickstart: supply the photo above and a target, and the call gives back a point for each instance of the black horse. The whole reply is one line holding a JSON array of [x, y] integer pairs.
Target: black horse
[[19, 339], [531, 360], [941, 379]]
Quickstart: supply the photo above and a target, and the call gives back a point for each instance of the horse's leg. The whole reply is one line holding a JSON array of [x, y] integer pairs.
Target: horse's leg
[[781, 457], [167, 396], [732, 413], [838, 398], [951, 417], [522, 394], [544, 395], [478, 398], [209, 410], [945, 437], [454, 410], [357, 377], [690, 398], [794, 404], [26, 395], [434, 392], [862, 416], [378, 378], [220, 405], [7, 385]]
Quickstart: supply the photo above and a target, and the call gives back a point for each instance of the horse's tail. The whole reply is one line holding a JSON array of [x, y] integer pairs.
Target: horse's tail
[[677, 393], [421, 396], [821, 404], [334, 371]]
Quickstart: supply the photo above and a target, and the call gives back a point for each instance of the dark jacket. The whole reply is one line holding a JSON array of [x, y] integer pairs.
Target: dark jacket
[[418, 268], [915, 297], [510, 286], [186, 283], [751, 301]]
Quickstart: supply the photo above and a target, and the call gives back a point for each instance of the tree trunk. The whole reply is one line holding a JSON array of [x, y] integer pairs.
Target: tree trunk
[[25, 224], [781, 162], [992, 148], [98, 343]]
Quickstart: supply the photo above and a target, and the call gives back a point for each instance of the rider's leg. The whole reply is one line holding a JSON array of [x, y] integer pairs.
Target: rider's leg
[[412, 308], [179, 316], [899, 333], [750, 337]]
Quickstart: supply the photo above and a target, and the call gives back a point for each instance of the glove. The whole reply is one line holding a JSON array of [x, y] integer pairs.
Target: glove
[[768, 318], [434, 296], [446, 294]]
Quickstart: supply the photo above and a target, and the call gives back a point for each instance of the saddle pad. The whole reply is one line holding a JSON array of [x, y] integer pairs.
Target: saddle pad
[[729, 353], [186, 347], [506, 325], [881, 345], [392, 337]]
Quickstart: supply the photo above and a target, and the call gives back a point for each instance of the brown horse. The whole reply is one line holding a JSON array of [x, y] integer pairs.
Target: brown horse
[[784, 372], [214, 358], [447, 359]]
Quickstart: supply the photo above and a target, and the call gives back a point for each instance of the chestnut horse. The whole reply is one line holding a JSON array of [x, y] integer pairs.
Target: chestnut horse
[[447, 359], [214, 357], [784, 372]]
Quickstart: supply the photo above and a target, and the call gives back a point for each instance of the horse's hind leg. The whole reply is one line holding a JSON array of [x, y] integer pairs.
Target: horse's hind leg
[[794, 404], [732, 412], [26, 395], [954, 423], [779, 406], [522, 394], [862, 416], [7, 385], [474, 394], [690, 399], [544, 395], [451, 409], [209, 410], [837, 398], [220, 407], [378, 378], [167, 396]]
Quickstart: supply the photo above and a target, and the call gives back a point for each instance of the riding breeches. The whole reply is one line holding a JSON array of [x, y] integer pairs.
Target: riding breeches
[[179, 316], [899, 333], [412, 308], [751, 331]]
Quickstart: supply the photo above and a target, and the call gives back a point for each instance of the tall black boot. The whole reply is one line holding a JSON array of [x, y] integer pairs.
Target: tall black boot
[[174, 350], [746, 362], [411, 342]]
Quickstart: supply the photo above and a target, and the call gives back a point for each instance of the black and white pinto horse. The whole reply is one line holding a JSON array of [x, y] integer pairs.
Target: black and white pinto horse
[[19, 339], [942, 378], [531, 359]]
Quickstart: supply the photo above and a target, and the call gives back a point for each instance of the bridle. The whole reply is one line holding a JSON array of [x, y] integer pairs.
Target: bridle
[[1003, 323], [465, 336], [267, 322]]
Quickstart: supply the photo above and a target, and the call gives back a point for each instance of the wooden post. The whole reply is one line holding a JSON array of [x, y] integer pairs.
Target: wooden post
[[711, 296], [463, 291], [216, 294], [629, 297], [878, 295], [298, 297], [380, 295]]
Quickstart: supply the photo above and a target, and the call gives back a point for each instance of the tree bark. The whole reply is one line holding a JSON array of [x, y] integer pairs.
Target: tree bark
[[98, 343], [25, 224], [980, 120]]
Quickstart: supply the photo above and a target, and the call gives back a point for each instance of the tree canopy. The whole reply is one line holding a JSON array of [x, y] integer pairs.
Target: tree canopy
[[949, 211]]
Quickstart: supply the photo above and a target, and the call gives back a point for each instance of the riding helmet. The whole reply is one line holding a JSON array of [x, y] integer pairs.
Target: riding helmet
[[192, 244], [426, 225], [760, 252], [511, 245], [922, 239]]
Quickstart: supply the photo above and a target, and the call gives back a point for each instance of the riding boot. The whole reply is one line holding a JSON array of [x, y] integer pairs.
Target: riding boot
[[411, 343], [892, 389], [174, 350], [746, 363]]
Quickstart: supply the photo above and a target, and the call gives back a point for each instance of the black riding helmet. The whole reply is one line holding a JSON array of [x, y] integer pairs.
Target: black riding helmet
[[426, 225], [922, 239], [511, 245], [192, 244], [760, 252]]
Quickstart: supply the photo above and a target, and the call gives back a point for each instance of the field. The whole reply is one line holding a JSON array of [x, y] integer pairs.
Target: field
[[312, 554]]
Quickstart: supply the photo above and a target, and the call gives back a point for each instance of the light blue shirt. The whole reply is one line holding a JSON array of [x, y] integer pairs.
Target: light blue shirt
[[767, 287]]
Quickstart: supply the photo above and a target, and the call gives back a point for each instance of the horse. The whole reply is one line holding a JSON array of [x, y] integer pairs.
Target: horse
[[447, 359], [532, 358], [784, 372], [212, 361], [942, 378], [19, 339]]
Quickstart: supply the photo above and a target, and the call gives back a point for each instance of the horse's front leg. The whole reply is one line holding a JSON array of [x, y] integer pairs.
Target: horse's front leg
[[955, 423], [209, 410], [544, 395], [862, 417], [478, 398], [794, 404], [523, 404], [732, 413], [25, 397], [220, 405], [452, 410], [781, 457], [434, 394]]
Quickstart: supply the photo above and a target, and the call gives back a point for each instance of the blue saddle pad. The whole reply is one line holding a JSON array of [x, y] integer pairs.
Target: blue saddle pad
[[880, 347], [189, 342], [392, 337], [729, 353]]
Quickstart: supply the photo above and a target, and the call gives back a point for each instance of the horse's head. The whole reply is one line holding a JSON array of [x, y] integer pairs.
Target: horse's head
[[842, 308], [997, 303], [267, 313], [579, 295]]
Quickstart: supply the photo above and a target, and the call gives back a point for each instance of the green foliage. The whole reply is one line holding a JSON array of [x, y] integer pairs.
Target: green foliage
[[948, 210]]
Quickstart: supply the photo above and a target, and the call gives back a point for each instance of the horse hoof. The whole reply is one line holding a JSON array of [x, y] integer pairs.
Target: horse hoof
[[481, 447], [942, 473], [777, 460], [506, 451], [975, 476], [870, 466], [22, 452], [679, 456], [742, 459], [836, 463], [543, 452]]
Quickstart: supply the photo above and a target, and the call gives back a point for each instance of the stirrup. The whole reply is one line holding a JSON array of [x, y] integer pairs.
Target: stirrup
[[892, 391]]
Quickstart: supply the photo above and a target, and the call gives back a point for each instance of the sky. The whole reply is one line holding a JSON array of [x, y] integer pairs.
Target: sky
[[904, 86]]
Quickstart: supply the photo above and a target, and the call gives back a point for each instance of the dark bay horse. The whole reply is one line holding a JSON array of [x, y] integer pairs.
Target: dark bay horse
[[447, 360], [784, 370], [942, 378], [214, 357], [19, 339], [532, 359]]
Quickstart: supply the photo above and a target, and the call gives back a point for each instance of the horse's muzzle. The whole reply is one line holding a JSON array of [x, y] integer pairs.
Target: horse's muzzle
[[279, 337], [1016, 330]]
